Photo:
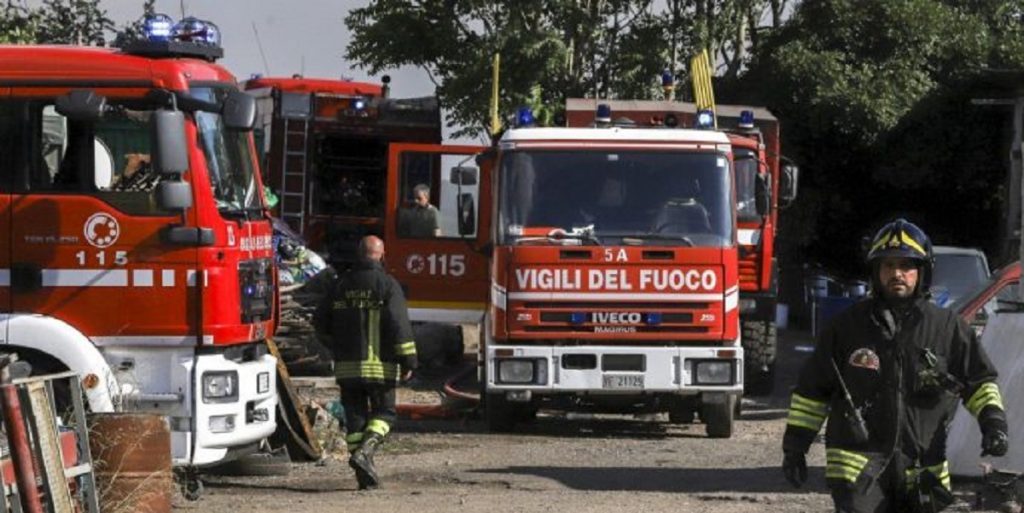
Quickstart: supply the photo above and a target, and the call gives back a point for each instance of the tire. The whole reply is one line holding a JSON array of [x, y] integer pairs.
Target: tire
[[760, 344], [719, 418], [499, 415], [273, 463]]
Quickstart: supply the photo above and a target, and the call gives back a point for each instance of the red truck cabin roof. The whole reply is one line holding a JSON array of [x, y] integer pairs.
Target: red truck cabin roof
[[37, 65], [315, 85]]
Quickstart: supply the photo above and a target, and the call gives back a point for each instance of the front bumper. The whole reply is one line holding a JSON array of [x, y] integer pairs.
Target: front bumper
[[253, 414], [614, 370]]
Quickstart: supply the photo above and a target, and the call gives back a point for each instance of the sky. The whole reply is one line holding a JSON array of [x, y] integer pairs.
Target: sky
[[297, 36]]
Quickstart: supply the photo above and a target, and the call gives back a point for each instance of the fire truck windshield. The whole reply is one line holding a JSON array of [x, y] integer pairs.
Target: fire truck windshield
[[228, 158], [627, 197]]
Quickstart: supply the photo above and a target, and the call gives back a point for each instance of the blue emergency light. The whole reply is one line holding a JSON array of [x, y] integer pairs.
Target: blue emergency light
[[359, 104], [705, 119], [161, 38], [157, 27], [194, 30], [667, 78], [524, 117], [653, 318], [578, 317], [746, 119], [604, 113]]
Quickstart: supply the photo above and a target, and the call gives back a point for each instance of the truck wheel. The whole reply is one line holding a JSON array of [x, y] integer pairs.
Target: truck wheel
[[760, 341], [719, 418], [499, 415]]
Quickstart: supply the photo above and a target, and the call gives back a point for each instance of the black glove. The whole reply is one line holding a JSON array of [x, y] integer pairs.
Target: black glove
[[794, 466], [994, 440]]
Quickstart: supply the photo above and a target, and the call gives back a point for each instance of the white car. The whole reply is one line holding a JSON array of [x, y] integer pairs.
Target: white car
[[958, 271]]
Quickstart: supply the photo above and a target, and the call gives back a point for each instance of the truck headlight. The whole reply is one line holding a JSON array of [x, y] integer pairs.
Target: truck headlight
[[714, 372], [220, 387], [516, 371]]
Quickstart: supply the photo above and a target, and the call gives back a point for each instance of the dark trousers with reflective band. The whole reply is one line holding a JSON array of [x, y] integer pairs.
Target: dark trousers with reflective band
[[859, 485], [369, 408]]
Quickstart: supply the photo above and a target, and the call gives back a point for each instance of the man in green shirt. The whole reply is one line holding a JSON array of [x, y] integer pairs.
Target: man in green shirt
[[421, 220]]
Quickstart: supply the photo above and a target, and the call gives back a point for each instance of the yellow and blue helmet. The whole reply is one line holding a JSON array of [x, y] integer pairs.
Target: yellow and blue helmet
[[903, 239]]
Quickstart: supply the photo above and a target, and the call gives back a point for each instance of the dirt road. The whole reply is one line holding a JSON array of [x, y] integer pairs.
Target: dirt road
[[557, 464]]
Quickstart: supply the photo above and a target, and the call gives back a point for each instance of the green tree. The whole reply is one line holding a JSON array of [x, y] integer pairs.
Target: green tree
[[18, 24], [873, 96], [76, 22], [561, 48]]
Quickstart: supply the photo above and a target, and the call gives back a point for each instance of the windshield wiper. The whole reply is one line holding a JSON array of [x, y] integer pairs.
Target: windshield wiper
[[584, 234], [650, 236]]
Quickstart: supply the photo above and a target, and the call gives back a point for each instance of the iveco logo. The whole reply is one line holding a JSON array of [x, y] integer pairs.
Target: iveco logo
[[617, 317]]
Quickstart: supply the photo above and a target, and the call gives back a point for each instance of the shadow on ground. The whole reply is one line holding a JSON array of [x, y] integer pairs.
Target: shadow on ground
[[670, 480]]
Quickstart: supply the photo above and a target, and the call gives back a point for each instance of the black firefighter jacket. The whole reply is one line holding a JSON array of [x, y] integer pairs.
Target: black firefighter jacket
[[905, 373], [367, 323]]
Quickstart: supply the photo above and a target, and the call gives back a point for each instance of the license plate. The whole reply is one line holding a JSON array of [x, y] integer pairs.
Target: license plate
[[262, 382], [623, 381]]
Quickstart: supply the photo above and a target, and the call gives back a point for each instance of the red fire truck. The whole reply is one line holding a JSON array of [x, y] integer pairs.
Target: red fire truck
[[325, 144], [764, 182], [137, 248], [609, 259]]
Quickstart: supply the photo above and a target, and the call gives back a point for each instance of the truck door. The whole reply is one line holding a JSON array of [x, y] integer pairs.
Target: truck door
[[85, 226], [7, 169], [438, 226]]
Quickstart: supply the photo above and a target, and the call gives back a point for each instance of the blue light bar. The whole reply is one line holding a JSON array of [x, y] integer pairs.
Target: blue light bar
[[705, 119], [194, 30], [524, 117], [157, 27], [746, 119], [578, 317], [212, 35], [604, 113]]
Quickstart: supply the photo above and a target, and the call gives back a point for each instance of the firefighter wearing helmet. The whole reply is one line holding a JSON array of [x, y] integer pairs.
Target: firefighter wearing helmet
[[887, 373]]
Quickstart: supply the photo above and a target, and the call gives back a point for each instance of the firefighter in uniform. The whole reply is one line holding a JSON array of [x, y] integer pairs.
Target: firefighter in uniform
[[366, 320], [887, 373]]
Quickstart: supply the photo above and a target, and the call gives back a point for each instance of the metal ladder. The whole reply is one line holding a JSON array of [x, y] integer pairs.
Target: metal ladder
[[293, 167]]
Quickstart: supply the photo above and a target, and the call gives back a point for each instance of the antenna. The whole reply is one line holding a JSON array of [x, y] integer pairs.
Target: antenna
[[181, 4], [259, 44]]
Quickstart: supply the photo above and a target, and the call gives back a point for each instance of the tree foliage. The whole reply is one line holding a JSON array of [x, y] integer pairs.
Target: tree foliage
[[78, 22], [874, 99], [561, 48]]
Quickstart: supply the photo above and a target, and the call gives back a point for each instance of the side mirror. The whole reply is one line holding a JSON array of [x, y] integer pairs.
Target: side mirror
[[463, 175], [467, 214], [174, 195], [762, 194], [239, 111], [170, 149], [103, 165], [788, 183], [81, 105]]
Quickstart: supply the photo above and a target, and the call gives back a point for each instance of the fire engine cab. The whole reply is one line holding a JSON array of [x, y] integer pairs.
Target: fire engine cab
[[136, 243]]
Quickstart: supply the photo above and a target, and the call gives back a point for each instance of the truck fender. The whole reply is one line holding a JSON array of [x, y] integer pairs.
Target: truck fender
[[67, 345]]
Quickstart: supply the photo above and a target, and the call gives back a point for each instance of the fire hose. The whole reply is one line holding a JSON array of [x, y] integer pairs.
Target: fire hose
[[443, 411]]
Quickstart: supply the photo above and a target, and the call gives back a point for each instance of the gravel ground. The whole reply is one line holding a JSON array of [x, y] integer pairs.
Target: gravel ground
[[559, 463]]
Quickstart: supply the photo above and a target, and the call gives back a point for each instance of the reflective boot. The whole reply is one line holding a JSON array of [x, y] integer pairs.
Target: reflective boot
[[361, 462]]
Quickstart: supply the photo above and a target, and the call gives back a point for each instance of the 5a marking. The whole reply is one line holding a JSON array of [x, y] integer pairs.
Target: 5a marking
[[101, 257]]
